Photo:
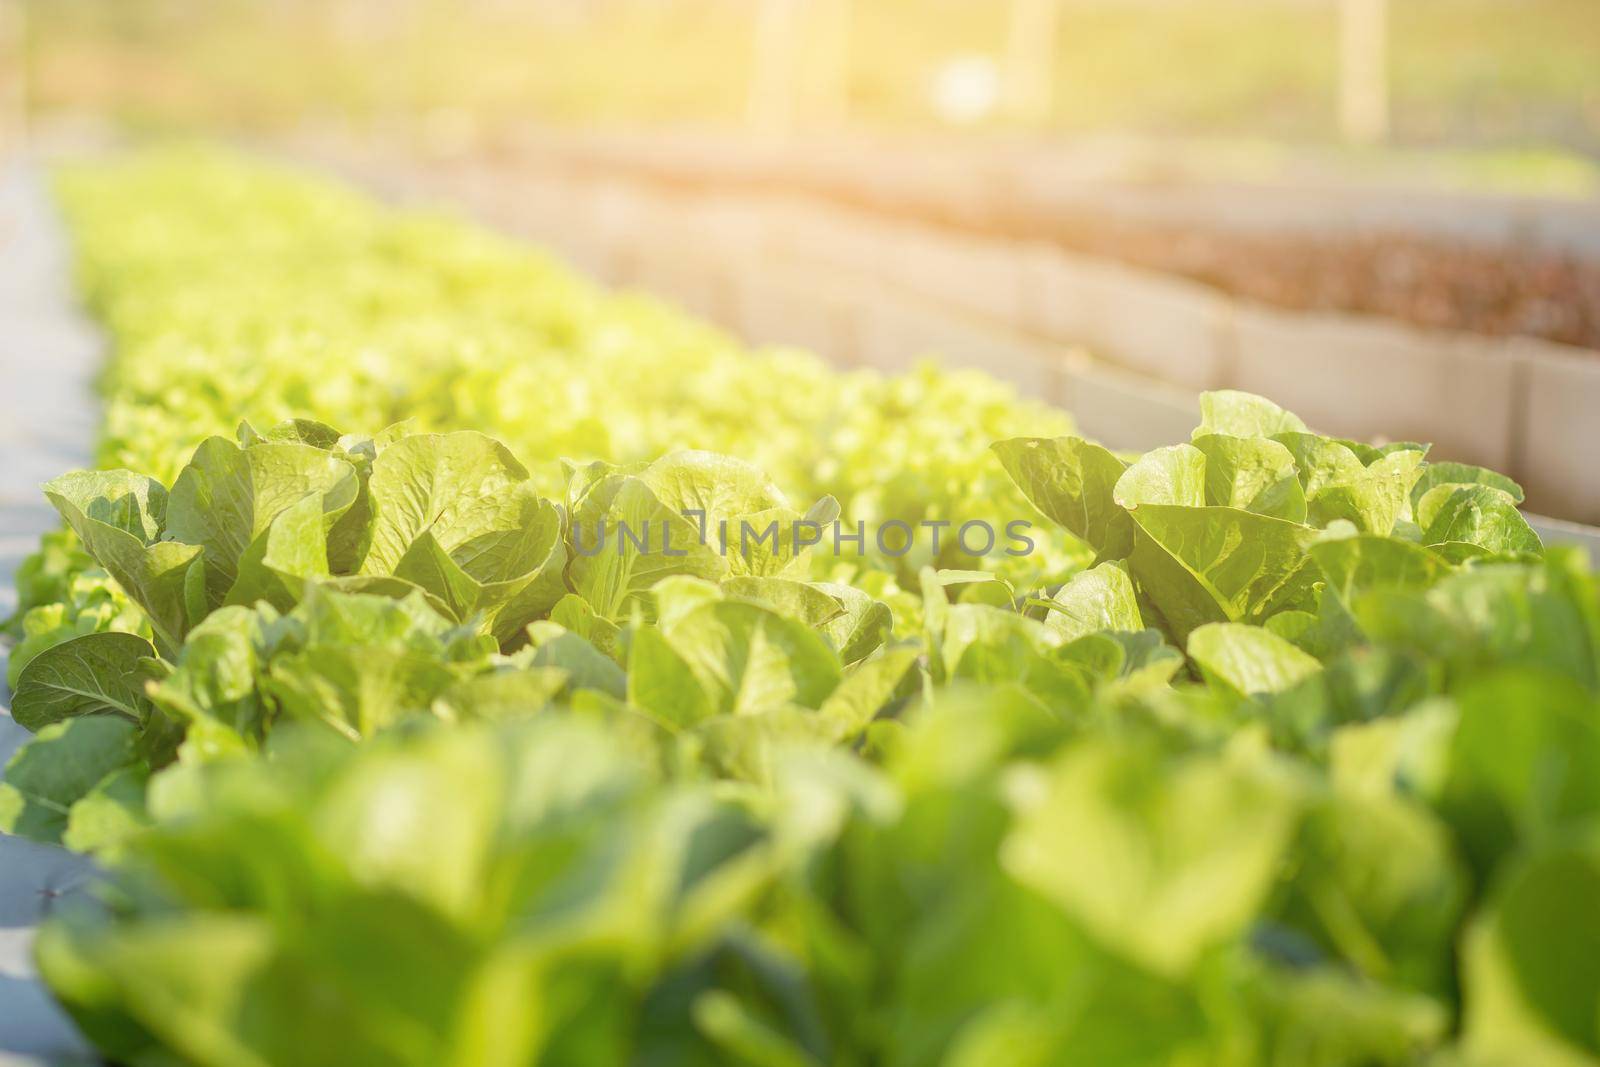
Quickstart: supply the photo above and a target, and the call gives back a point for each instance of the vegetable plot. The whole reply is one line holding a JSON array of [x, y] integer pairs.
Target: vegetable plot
[[1281, 749]]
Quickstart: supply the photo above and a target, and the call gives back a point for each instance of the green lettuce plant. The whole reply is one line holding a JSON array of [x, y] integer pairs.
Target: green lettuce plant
[[1281, 749]]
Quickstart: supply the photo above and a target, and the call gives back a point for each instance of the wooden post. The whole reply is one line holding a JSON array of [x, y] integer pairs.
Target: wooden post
[[771, 103], [1364, 70], [833, 90], [1031, 48]]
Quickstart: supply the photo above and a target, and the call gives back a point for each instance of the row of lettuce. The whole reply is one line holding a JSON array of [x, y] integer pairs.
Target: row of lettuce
[[1274, 749]]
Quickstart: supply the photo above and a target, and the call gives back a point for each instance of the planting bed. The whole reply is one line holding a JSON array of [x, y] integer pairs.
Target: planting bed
[[1496, 292], [1263, 747], [1498, 267]]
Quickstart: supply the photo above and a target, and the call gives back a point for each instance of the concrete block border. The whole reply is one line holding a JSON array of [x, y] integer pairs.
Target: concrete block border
[[1124, 411], [786, 307], [1169, 328], [977, 275], [897, 333], [1556, 450], [1376, 379]]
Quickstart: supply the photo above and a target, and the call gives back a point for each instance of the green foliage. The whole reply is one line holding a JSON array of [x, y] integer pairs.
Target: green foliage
[[393, 765]]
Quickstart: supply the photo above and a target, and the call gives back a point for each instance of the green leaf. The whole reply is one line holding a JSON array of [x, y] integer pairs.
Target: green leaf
[[1532, 974], [719, 486], [864, 625], [276, 566], [642, 541], [89, 675], [997, 646], [1202, 565], [152, 573], [227, 497], [1237, 414], [1249, 660], [812, 605], [867, 688], [502, 694], [742, 514], [357, 692], [1406, 753], [1160, 860], [1321, 461], [743, 1036], [765, 543], [746, 658], [360, 663], [434, 851], [977, 587], [1524, 763], [299, 431], [1544, 616], [1378, 883], [1092, 601], [1253, 474], [1374, 499], [1370, 454], [142, 985], [1355, 565], [387, 585], [1475, 515], [583, 665], [1071, 482], [755, 747], [1174, 476], [1437, 474], [661, 683], [121, 499], [216, 675], [60, 766], [455, 484], [103, 820], [503, 563], [574, 613], [1327, 1014]]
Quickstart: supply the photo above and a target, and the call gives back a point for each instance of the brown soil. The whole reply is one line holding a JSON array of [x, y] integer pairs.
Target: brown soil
[[1506, 291]]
